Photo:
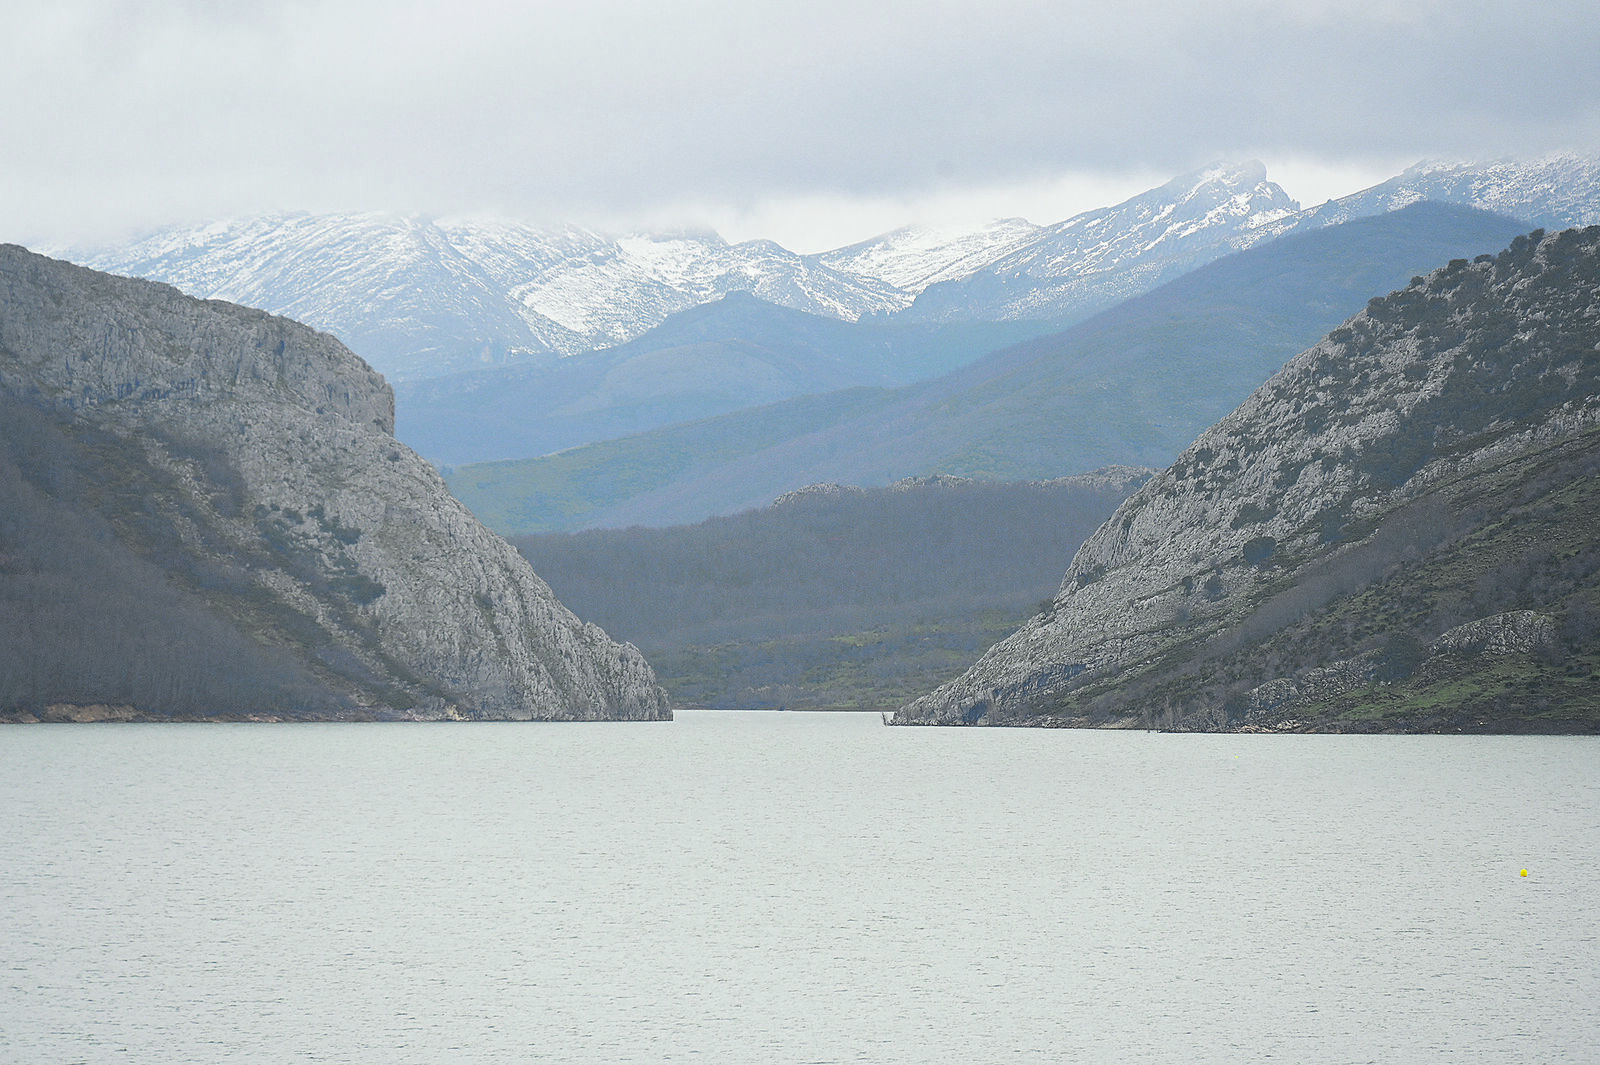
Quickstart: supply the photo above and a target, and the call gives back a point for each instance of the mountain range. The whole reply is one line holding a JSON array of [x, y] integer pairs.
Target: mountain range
[[1101, 257], [1555, 192], [1135, 384], [205, 505], [420, 297]]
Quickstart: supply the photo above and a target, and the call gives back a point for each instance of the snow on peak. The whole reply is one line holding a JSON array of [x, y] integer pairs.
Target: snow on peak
[[1554, 191], [419, 296], [913, 257]]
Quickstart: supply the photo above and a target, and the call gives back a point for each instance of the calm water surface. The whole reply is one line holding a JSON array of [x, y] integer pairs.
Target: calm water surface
[[753, 888]]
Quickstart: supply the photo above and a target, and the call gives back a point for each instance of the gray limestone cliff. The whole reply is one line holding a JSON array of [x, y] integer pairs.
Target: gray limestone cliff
[[253, 458], [1380, 517]]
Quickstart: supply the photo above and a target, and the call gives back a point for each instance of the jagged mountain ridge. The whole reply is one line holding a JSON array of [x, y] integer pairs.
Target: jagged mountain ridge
[[1097, 258], [420, 297], [1399, 524], [251, 460]]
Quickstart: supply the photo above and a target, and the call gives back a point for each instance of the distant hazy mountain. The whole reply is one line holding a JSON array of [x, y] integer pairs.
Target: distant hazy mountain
[[712, 359], [1133, 384], [395, 290], [1063, 272], [1395, 533], [203, 514]]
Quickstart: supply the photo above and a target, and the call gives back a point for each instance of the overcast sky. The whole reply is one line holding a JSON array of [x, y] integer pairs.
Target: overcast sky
[[814, 123]]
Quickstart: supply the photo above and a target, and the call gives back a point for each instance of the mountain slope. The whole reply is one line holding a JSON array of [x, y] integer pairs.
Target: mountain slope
[[240, 469], [1554, 192], [1134, 384], [1395, 532], [914, 257], [712, 359], [1101, 257], [395, 290]]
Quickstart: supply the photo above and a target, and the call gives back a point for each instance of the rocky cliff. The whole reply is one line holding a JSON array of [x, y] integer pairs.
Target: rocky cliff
[[252, 459], [1396, 531]]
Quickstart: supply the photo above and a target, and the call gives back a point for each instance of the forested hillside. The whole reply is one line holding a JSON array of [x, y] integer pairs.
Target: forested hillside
[[833, 597]]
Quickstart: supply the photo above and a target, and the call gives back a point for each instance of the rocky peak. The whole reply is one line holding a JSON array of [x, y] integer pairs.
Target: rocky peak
[[165, 346]]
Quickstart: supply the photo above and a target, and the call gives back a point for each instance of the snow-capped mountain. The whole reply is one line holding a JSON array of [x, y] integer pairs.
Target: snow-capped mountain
[[1101, 257], [610, 290], [395, 290], [421, 297], [1554, 192], [1064, 272], [914, 257]]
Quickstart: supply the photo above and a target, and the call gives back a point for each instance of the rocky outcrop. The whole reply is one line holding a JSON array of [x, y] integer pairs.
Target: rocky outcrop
[[1513, 632], [283, 501], [1396, 435], [824, 490]]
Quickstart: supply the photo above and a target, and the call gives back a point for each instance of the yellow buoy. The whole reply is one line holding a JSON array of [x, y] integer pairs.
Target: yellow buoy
[[1524, 872]]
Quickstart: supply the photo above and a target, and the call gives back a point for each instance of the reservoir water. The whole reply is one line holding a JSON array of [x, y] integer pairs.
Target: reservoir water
[[752, 888]]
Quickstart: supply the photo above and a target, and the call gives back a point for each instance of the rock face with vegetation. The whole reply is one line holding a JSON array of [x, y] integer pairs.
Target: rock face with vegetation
[[1395, 532], [206, 514]]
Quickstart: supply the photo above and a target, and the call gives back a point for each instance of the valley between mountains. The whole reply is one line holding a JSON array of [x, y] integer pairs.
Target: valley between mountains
[[1324, 469]]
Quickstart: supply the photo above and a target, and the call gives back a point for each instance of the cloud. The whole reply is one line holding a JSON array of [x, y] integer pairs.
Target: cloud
[[126, 113]]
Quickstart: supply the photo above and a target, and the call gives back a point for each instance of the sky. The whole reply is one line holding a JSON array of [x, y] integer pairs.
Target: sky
[[813, 123]]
